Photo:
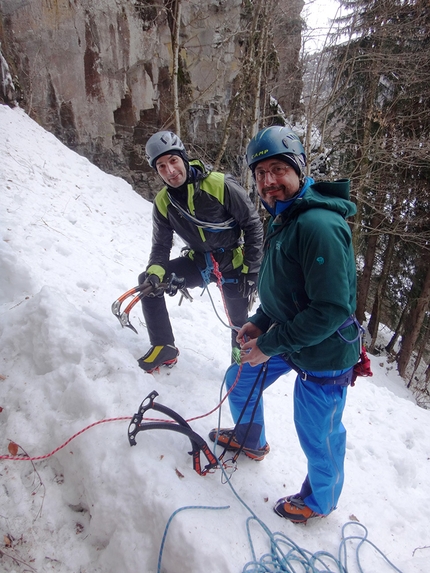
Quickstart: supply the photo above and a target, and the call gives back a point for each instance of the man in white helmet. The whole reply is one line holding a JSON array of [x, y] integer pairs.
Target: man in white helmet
[[214, 216]]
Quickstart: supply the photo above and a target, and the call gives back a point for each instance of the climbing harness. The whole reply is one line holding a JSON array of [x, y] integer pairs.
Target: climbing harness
[[198, 444], [344, 379], [212, 268], [362, 368], [171, 287]]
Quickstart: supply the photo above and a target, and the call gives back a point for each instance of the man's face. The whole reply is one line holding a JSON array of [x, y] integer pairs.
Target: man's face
[[171, 168], [276, 181]]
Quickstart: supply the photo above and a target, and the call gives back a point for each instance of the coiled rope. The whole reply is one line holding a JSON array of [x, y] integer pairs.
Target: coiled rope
[[285, 555]]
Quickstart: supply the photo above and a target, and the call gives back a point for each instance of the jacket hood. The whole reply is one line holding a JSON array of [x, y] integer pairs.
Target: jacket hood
[[333, 196], [198, 170]]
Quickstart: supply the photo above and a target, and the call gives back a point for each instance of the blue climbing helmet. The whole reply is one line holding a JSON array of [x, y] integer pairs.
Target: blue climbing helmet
[[277, 140], [161, 143]]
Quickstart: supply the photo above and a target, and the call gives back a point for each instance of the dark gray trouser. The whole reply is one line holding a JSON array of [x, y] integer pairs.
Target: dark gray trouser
[[155, 311]]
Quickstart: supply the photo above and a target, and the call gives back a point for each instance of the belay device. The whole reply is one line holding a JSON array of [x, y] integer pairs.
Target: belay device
[[198, 444]]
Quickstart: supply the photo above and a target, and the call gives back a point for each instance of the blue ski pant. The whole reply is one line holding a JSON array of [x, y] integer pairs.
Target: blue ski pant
[[318, 413]]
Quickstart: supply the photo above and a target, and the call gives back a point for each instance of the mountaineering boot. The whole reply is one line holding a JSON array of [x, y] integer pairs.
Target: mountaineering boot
[[226, 435], [293, 508], [159, 356]]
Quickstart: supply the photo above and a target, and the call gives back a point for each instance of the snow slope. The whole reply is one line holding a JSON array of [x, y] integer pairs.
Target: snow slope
[[72, 240]]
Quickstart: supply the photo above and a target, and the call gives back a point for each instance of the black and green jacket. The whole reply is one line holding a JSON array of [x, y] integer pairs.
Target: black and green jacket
[[307, 283], [210, 198]]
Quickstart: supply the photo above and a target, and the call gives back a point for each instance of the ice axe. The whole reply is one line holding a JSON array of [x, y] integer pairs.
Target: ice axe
[[171, 287]]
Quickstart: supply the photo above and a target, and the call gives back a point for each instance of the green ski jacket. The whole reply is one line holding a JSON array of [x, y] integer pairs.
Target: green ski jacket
[[307, 283]]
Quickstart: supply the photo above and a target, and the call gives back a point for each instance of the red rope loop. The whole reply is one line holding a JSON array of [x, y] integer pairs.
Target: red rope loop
[[218, 276], [121, 418]]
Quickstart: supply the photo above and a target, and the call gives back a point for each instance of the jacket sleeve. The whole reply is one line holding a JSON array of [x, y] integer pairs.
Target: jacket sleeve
[[240, 207], [162, 240], [260, 319]]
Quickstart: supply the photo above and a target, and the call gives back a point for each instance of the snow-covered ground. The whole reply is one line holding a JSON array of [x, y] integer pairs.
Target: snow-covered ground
[[72, 240]]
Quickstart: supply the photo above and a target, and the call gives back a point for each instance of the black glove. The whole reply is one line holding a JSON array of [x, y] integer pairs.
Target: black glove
[[248, 284], [174, 284], [154, 282]]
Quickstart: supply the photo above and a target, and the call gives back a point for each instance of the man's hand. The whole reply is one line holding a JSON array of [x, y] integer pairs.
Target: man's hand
[[251, 354], [174, 284], [247, 332], [154, 282], [248, 284], [249, 351]]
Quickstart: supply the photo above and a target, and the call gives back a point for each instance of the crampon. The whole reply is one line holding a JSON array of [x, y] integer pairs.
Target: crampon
[[176, 424]]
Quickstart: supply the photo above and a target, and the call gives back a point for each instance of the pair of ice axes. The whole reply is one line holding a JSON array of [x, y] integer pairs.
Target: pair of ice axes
[[171, 287]]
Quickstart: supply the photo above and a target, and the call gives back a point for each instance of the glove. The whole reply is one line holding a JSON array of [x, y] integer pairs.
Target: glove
[[154, 282], [174, 284], [248, 284]]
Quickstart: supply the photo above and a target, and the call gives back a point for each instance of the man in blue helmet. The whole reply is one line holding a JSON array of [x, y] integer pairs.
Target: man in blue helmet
[[305, 322], [214, 216]]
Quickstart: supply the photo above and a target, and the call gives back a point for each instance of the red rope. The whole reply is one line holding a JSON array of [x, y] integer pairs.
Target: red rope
[[122, 418], [218, 275], [31, 459]]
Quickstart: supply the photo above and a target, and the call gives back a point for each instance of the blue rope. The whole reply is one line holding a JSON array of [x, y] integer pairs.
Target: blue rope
[[160, 555], [285, 555], [216, 312], [363, 539]]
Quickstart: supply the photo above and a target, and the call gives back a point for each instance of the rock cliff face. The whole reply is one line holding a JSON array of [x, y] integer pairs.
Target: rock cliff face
[[98, 73]]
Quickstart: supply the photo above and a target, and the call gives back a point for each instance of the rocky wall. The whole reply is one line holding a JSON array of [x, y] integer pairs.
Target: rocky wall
[[97, 73]]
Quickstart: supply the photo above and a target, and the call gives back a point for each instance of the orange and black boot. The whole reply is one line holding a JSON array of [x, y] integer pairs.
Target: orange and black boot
[[294, 509], [226, 438]]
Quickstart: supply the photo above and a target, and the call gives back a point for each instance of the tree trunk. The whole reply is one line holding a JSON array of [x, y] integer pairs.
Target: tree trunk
[[390, 346], [364, 282], [415, 319], [253, 63], [418, 359], [375, 230], [176, 17], [376, 310]]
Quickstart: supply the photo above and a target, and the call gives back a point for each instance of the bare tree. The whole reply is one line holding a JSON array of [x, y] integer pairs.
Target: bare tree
[[416, 317], [377, 122]]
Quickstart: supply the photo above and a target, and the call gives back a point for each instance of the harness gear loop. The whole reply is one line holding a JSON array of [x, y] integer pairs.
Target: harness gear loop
[[360, 330], [198, 444]]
